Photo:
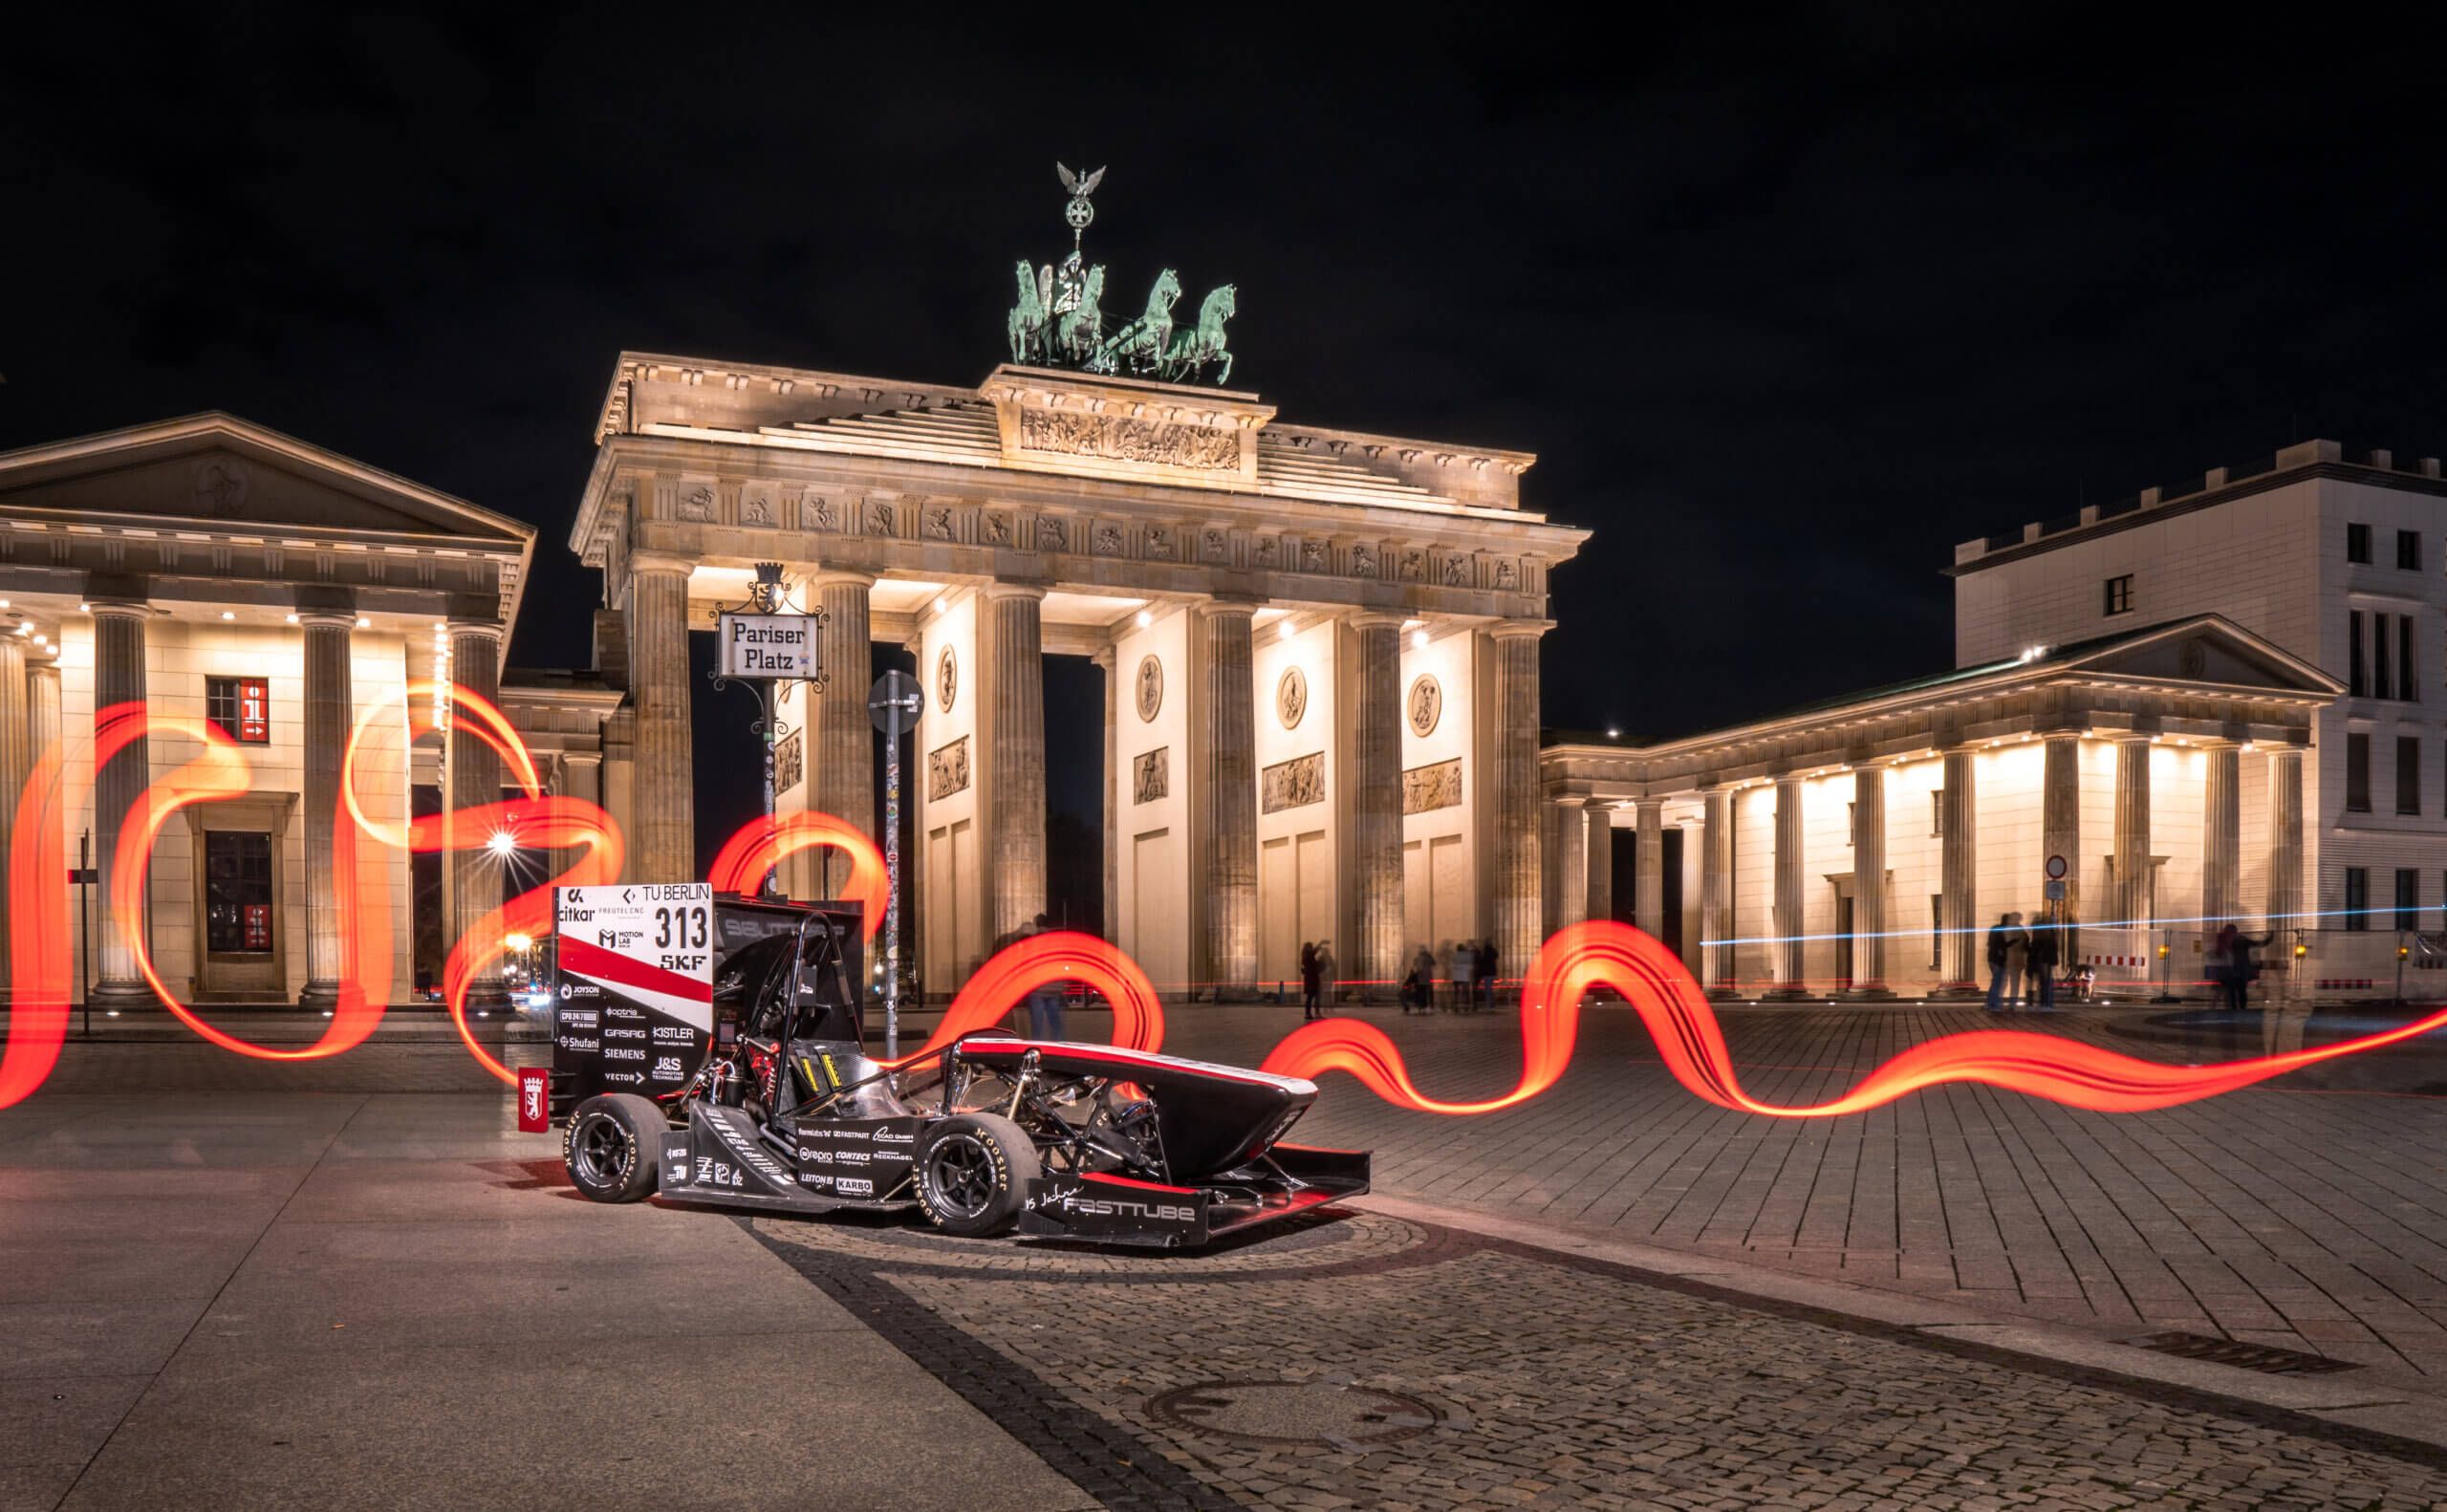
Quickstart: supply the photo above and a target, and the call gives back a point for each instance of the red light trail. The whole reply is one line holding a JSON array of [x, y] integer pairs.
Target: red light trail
[[1576, 960]]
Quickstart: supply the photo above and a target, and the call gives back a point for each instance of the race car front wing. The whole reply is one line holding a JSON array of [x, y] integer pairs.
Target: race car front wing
[[1119, 1210]]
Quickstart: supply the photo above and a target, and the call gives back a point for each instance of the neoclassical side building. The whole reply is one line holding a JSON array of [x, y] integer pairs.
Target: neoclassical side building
[[1320, 648]]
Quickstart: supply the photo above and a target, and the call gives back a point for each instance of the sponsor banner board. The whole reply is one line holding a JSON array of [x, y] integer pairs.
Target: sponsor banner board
[[632, 985]]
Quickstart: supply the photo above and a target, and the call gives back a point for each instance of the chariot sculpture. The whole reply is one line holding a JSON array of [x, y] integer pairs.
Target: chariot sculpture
[[1058, 320]]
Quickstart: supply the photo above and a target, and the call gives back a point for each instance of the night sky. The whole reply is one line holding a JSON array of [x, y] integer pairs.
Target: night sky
[[1786, 308]]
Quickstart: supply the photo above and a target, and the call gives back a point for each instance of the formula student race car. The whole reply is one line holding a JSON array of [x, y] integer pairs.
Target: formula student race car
[[754, 1093]]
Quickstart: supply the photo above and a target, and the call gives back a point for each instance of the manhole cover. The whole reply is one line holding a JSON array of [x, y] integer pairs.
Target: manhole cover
[[1322, 1415]]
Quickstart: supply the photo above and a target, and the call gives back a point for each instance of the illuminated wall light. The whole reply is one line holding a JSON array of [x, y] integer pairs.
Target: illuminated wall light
[[289, 620], [1418, 640], [1145, 619], [228, 614], [363, 623], [1285, 631], [943, 606]]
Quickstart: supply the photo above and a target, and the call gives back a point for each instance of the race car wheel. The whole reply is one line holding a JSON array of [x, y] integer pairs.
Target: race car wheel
[[612, 1146], [973, 1173]]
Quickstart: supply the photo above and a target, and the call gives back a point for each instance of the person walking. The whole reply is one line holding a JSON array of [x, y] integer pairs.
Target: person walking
[[2001, 936], [1044, 1004], [1420, 982], [1308, 982], [1487, 977], [1326, 972], [2046, 947], [2234, 966], [1465, 976], [2018, 993]]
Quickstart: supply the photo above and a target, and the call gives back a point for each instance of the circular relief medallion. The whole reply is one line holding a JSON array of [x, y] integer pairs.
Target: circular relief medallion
[[947, 679], [1150, 687], [1425, 704], [1291, 697]]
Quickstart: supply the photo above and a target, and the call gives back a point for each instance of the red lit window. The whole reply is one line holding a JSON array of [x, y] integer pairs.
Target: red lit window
[[242, 706]]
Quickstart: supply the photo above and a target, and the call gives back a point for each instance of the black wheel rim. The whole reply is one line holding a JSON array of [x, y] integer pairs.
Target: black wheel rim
[[600, 1149], [961, 1170]]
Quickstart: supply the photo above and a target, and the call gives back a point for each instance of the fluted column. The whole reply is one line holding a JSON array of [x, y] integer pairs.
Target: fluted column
[[2286, 837], [662, 830], [1228, 882], [1376, 796], [619, 785], [2131, 901], [2222, 836], [1790, 954], [328, 706], [474, 781], [1571, 864], [2061, 819], [17, 760], [1517, 877], [1869, 882], [1110, 761], [1011, 647], [1599, 901], [841, 739], [1716, 891], [1959, 874], [581, 777], [1648, 863], [45, 731], [118, 677]]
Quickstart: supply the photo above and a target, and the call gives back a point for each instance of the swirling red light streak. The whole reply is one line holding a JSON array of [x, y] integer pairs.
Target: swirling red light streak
[[748, 856]]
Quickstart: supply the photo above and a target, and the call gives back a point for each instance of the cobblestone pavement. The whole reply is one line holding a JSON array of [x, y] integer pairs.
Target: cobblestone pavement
[[1374, 1362]]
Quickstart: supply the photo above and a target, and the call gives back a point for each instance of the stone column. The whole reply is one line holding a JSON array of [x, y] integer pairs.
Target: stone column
[[1648, 861], [2061, 819], [1790, 953], [2222, 836], [329, 706], [581, 777], [1010, 651], [118, 677], [839, 743], [16, 762], [1111, 762], [2285, 838], [1869, 882], [619, 784], [1959, 874], [662, 829], [1376, 788], [1226, 885], [2129, 902], [1571, 864], [1716, 891], [1516, 875], [1600, 901], [474, 780]]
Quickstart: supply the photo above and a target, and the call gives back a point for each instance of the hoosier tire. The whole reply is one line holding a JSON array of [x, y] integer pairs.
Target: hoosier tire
[[612, 1145], [973, 1172]]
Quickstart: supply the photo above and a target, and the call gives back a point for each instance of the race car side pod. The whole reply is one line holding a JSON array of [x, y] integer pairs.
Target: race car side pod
[[1040, 961], [760, 845], [1671, 1005]]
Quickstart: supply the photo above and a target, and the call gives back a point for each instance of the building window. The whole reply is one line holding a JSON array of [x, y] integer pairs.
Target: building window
[[237, 901], [2408, 897], [2409, 550], [2357, 670], [2408, 774], [1936, 813], [2357, 543], [1852, 821], [2381, 685], [2119, 595], [2357, 773], [2357, 897], [2404, 688], [242, 706]]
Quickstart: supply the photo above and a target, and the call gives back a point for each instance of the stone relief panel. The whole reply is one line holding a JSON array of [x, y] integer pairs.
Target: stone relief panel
[[997, 530], [1108, 540], [1414, 566], [1214, 545], [1149, 688], [947, 679], [948, 769], [1270, 551], [1050, 536], [1159, 541], [1508, 576], [1125, 439], [1363, 560], [1293, 784], [1151, 774], [222, 485], [1424, 705], [1436, 786], [756, 506], [790, 762], [1291, 697], [817, 513], [698, 504], [939, 521], [1312, 556], [1456, 570], [881, 518]]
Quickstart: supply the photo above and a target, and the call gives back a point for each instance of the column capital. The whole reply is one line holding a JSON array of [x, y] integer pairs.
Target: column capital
[[482, 629], [122, 608], [661, 562], [1377, 620], [839, 577], [1519, 629], [997, 590], [582, 758], [326, 620], [1219, 606]]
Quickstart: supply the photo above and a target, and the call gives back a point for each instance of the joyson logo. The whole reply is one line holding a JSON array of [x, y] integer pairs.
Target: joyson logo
[[1567, 968]]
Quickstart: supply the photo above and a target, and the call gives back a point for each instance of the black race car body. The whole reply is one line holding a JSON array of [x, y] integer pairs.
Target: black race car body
[[996, 1133]]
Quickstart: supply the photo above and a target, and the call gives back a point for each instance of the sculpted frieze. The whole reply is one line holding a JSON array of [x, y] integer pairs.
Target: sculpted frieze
[[938, 522], [1150, 775], [1108, 540], [948, 769], [1293, 784], [998, 530], [1123, 439], [1429, 788]]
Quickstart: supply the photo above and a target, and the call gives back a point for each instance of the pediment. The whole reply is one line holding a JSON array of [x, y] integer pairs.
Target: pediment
[[2209, 650], [223, 475]]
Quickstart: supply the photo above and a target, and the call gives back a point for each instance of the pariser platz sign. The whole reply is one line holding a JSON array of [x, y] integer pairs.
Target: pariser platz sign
[[769, 646]]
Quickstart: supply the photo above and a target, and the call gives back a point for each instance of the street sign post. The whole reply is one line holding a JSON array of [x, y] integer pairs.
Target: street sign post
[[765, 649], [894, 703], [2056, 869]]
